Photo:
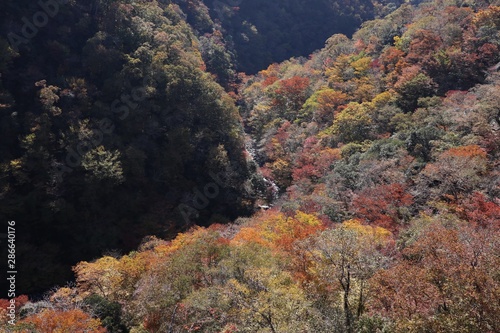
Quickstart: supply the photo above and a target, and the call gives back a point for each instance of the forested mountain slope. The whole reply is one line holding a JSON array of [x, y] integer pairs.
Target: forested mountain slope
[[389, 107], [386, 148]]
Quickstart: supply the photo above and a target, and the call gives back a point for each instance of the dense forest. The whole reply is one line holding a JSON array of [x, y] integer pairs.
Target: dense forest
[[130, 126]]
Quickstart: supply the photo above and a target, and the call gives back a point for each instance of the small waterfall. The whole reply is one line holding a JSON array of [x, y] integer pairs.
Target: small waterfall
[[272, 190]]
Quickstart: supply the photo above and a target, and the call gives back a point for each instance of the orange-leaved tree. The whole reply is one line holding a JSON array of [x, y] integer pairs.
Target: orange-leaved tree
[[278, 231], [56, 321]]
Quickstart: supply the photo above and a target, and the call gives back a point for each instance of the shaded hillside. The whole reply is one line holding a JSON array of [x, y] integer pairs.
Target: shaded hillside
[[263, 32]]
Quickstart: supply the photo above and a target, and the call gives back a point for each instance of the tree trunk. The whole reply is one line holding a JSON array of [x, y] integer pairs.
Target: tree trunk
[[347, 311]]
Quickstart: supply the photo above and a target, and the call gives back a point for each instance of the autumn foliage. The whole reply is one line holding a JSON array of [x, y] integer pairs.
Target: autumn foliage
[[375, 165], [71, 321], [277, 230], [383, 205]]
